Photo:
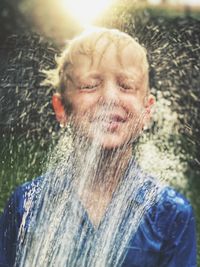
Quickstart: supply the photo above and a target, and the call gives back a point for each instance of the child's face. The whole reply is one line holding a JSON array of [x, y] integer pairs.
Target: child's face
[[109, 96]]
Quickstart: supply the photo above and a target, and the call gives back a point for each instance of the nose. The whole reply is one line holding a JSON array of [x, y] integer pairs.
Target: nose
[[110, 94]]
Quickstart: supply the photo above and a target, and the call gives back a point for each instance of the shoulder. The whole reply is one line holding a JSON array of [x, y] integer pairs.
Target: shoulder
[[169, 199], [173, 202], [171, 214], [22, 193], [28, 188], [11, 220]]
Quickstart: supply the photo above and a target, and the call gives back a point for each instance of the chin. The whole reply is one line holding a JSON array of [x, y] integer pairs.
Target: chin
[[108, 140], [113, 142]]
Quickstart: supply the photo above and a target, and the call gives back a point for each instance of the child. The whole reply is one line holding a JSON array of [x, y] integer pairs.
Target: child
[[103, 94]]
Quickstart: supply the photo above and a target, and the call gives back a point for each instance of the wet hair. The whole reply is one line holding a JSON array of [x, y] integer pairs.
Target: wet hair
[[86, 44]]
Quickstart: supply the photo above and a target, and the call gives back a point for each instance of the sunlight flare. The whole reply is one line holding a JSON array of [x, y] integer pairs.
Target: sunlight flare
[[86, 11]]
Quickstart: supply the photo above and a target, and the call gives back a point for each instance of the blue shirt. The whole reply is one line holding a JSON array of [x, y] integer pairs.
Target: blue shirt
[[165, 237]]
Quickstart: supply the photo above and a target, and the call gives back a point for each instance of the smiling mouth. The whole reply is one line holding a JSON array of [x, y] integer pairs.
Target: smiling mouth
[[109, 119], [110, 123], [116, 119]]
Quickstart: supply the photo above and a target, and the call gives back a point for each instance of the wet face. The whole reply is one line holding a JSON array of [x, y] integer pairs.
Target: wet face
[[108, 95]]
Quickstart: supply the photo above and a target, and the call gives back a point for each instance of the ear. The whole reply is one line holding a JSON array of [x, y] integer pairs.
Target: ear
[[59, 109], [150, 102]]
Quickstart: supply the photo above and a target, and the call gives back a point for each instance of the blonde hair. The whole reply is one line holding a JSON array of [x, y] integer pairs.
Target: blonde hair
[[85, 44]]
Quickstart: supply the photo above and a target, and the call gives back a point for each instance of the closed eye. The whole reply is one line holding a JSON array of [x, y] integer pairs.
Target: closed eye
[[88, 86], [127, 86]]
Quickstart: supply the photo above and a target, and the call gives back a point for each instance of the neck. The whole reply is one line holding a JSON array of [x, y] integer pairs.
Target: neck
[[101, 169], [99, 172]]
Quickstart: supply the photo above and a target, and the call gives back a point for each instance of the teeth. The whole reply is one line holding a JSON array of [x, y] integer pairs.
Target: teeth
[[108, 119]]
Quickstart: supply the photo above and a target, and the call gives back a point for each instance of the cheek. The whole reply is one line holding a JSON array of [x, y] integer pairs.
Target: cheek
[[83, 104], [134, 107]]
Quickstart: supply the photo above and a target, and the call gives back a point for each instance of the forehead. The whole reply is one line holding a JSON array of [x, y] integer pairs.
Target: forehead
[[111, 56]]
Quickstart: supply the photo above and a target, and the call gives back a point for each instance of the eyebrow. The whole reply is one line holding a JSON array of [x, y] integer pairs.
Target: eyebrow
[[79, 78], [131, 75], [128, 75], [90, 74]]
